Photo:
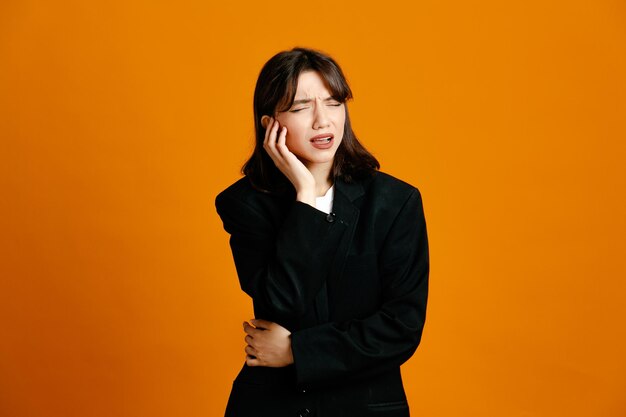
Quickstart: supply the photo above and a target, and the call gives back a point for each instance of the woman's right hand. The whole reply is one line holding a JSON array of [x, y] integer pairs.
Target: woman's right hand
[[288, 163]]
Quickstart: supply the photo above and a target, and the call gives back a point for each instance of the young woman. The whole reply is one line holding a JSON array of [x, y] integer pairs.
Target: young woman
[[332, 251]]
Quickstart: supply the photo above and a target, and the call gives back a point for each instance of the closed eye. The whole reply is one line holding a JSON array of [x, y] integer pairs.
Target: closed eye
[[304, 108]]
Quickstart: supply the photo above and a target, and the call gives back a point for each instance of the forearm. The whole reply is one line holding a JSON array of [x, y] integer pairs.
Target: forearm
[[284, 269], [387, 338], [335, 351]]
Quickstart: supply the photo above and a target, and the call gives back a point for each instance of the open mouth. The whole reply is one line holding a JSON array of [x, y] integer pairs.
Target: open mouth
[[322, 138], [323, 141]]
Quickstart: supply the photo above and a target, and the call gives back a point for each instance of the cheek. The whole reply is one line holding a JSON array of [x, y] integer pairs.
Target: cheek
[[341, 130], [340, 122], [291, 140], [286, 123], [293, 135], [296, 145]]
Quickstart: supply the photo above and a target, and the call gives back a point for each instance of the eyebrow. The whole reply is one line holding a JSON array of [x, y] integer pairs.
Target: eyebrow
[[308, 100]]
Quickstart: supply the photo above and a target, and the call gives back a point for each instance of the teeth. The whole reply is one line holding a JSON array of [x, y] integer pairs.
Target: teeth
[[327, 139]]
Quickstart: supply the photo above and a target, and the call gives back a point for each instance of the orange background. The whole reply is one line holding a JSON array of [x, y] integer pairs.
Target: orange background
[[122, 120]]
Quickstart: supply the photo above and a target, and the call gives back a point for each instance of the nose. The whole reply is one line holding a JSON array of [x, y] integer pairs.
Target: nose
[[320, 120]]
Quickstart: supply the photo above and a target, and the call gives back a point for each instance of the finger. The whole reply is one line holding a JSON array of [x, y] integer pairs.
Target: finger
[[251, 351], [249, 340], [270, 145], [261, 324], [252, 361], [270, 132], [281, 144], [249, 329], [268, 136]]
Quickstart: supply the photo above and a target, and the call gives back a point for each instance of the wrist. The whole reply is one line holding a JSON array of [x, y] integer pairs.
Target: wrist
[[306, 196]]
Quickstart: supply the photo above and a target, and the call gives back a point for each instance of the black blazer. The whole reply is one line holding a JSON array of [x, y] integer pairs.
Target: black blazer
[[351, 286]]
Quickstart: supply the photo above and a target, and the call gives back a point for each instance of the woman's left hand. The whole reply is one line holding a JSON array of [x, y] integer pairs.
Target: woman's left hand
[[269, 344]]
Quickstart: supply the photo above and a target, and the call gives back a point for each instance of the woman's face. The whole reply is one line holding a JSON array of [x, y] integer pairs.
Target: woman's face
[[314, 122]]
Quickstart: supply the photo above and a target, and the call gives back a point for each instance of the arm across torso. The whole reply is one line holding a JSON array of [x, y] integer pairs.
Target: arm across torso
[[284, 251]]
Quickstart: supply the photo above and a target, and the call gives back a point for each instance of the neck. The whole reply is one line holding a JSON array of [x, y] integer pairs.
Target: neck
[[321, 173]]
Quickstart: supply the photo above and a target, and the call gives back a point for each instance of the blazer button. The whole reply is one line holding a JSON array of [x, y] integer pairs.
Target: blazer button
[[330, 217], [304, 413]]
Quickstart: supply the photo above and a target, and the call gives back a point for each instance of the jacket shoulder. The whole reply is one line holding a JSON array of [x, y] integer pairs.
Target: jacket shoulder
[[392, 187], [236, 205], [237, 190], [242, 198], [238, 196]]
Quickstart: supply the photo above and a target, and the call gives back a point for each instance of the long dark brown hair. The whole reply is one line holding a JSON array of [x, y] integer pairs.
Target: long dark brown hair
[[275, 91]]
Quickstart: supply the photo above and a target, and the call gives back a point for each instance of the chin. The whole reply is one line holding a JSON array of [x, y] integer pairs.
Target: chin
[[320, 159]]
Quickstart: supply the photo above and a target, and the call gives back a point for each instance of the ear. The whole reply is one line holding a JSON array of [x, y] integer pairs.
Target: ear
[[264, 121]]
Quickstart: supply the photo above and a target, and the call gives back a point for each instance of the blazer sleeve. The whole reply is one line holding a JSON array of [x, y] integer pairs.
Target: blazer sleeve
[[282, 268], [357, 348]]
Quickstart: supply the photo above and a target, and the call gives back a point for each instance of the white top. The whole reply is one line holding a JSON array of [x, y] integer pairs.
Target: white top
[[325, 203]]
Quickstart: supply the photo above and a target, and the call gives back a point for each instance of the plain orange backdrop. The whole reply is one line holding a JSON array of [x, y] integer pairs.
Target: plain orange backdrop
[[121, 120]]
